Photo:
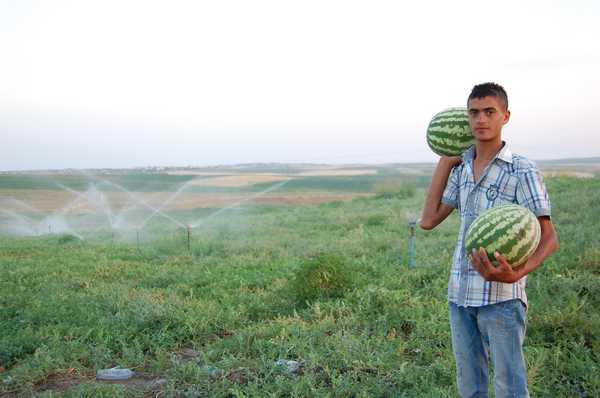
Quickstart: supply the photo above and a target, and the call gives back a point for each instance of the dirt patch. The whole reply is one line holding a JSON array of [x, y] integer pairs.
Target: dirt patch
[[65, 203], [239, 376], [239, 180], [47, 201], [564, 173], [307, 198], [63, 382], [60, 382], [197, 173], [337, 173], [415, 171], [187, 354], [316, 171], [140, 381]]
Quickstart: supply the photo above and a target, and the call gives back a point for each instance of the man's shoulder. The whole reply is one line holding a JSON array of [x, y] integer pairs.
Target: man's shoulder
[[522, 164]]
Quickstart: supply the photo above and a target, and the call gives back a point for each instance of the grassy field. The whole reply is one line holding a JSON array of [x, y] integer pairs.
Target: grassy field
[[213, 319]]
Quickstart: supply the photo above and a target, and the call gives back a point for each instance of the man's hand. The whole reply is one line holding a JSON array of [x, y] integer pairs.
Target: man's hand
[[452, 161], [503, 273]]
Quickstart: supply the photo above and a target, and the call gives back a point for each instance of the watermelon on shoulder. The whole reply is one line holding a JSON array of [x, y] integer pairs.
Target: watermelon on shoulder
[[512, 230], [449, 133]]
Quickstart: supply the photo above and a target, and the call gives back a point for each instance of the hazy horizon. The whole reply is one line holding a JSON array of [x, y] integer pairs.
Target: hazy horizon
[[112, 84], [575, 160]]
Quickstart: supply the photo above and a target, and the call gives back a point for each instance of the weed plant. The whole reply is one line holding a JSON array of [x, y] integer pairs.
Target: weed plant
[[323, 276]]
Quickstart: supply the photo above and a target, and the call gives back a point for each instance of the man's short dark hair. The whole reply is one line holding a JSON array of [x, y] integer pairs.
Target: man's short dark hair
[[489, 90]]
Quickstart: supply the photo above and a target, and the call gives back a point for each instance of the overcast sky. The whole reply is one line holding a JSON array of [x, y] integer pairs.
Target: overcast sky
[[89, 84]]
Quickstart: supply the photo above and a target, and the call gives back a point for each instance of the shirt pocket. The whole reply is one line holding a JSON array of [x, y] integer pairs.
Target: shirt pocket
[[499, 192], [508, 191]]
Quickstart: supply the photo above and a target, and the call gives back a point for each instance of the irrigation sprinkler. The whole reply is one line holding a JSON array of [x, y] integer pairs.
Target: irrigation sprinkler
[[189, 234], [137, 236], [411, 243]]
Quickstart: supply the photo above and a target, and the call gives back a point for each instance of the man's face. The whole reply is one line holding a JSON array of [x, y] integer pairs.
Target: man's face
[[486, 118]]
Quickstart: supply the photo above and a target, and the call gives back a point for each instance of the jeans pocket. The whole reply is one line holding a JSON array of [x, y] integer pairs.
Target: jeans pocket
[[510, 315]]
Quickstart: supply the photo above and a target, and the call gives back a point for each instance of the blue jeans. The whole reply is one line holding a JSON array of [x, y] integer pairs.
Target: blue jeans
[[496, 329]]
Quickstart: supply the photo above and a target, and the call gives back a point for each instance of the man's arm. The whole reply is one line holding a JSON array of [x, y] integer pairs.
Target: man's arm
[[434, 211], [504, 272]]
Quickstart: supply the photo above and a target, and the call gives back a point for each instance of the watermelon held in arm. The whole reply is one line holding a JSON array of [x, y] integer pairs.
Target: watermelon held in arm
[[512, 230], [449, 133]]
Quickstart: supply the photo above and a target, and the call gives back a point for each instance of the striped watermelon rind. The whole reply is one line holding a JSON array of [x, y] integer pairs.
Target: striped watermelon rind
[[512, 230], [449, 133]]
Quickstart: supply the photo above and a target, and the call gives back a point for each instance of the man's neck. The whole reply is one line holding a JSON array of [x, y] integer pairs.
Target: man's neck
[[485, 151]]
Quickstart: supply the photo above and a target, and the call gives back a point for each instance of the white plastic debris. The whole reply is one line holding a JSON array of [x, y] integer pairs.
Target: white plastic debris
[[290, 365], [115, 373], [214, 372]]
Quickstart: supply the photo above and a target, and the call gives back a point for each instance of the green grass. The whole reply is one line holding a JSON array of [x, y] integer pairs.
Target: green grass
[[69, 308]]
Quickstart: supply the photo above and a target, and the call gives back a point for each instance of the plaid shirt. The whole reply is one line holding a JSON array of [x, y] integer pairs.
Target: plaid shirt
[[508, 178]]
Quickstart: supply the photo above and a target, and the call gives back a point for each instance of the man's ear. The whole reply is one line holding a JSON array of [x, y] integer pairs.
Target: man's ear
[[506, 116]]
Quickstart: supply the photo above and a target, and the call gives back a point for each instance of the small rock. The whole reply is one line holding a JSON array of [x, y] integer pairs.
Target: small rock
[[188, 354], [238, 376]]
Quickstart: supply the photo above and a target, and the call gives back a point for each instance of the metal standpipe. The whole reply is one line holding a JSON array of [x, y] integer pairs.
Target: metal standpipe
[[189, 234], [412, 226]]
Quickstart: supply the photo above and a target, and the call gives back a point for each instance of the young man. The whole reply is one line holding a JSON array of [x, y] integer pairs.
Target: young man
[[487, 303]]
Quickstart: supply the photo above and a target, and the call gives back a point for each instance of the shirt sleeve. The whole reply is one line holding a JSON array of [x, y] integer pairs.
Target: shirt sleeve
[[450, 196], [532, 193]]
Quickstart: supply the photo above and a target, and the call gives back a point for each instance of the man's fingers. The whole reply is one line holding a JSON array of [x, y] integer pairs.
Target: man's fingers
[[475, 258], [479, 262], [484, 257], [502, 261]]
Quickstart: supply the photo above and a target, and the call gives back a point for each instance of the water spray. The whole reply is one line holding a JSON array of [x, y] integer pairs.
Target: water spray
[[238, 203], [30, 225], [166, 202], [138, 200]]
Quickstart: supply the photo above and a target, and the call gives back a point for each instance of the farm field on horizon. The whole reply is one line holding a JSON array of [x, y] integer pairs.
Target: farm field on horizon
[[131, 201], [196, 280]]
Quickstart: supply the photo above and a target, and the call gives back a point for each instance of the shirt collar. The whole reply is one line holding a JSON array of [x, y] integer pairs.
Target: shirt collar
[[469, 154], [504, 154]]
